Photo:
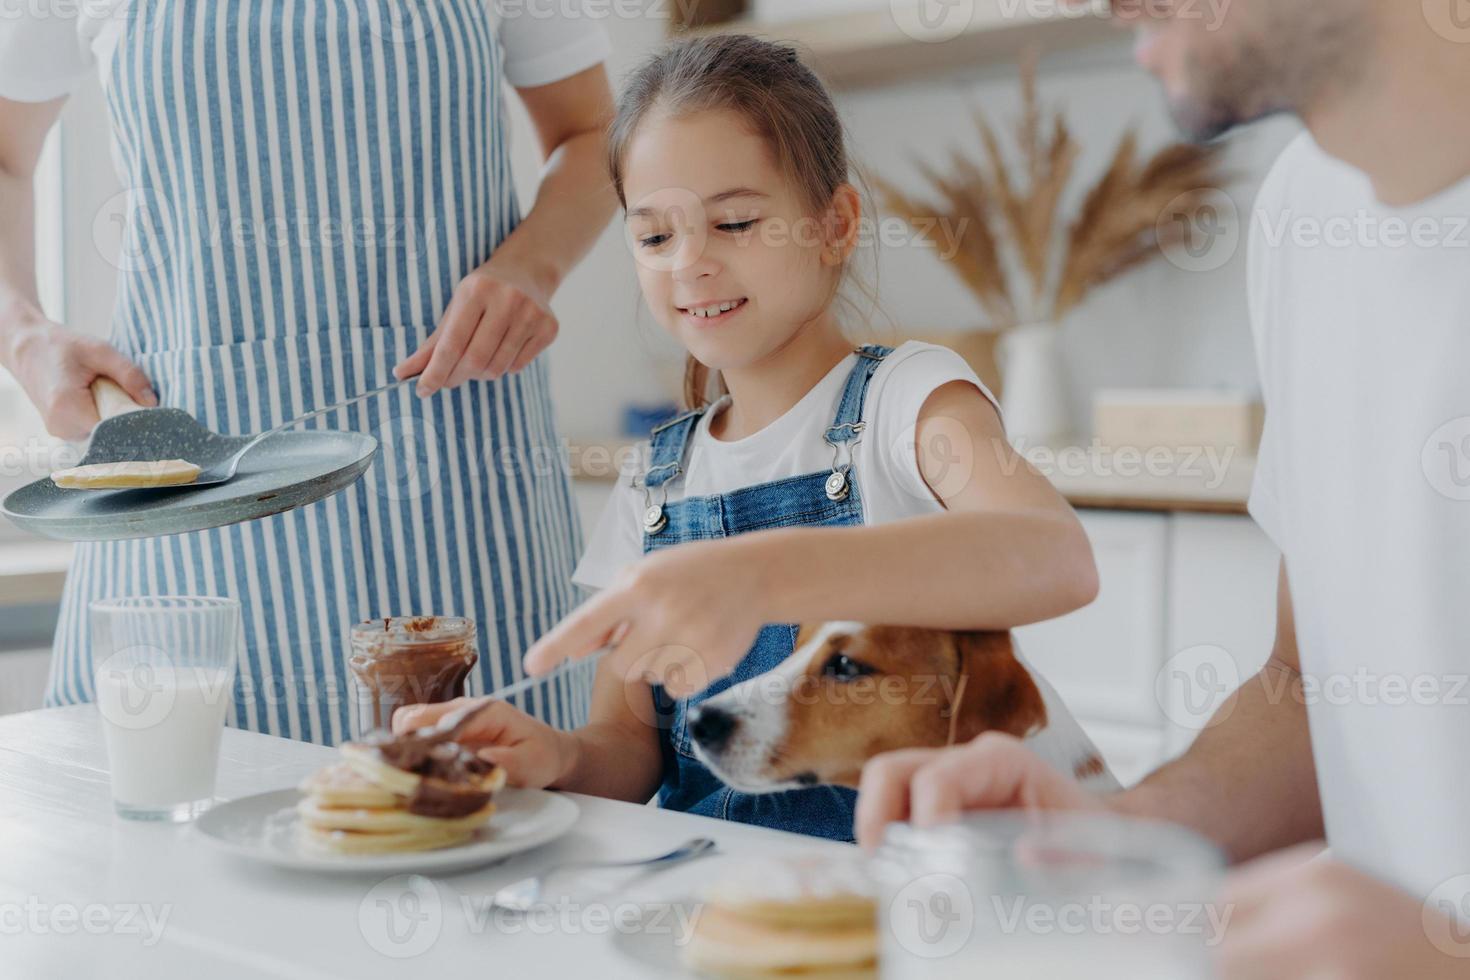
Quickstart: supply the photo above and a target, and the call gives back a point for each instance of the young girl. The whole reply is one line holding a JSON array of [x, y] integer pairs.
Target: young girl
[[826, 484]]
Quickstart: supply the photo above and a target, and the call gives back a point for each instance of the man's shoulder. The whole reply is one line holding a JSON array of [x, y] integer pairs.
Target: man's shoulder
[[1303, 174]]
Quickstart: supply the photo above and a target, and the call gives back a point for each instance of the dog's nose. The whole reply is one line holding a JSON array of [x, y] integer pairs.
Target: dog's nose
[[711, 727]]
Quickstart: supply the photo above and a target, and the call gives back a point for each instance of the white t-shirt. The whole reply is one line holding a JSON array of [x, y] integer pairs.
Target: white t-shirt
[[884, 463], [48, 47], [1361, 316]]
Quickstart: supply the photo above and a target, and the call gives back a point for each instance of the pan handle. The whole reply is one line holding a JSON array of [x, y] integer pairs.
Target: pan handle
[[112, 400]]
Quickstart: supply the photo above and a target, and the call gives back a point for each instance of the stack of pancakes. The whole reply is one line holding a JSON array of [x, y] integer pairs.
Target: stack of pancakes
[[808, 916], [398, 794]]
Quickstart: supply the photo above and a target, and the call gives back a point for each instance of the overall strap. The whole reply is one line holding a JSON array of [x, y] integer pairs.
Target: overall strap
[[848, 423], [668, 443]]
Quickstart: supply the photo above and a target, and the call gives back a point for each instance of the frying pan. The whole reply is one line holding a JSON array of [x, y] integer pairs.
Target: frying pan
[[283, 471]]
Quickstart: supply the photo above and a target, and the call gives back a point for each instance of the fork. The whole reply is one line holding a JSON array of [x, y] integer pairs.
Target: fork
[[523, 895]]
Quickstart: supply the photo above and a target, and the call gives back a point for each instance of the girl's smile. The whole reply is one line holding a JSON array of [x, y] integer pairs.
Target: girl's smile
[[709, 313], [729, 253]]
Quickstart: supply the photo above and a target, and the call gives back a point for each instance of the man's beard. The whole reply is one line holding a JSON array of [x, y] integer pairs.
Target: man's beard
[[1304, 53], [1219, 99]]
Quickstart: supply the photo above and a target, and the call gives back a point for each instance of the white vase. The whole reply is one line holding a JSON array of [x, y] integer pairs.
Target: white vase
[[1034, 385]]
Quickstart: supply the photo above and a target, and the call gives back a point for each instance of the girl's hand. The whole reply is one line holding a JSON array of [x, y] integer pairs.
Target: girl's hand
[[683, 618], [56, 368], [497, 322], [533, 754]]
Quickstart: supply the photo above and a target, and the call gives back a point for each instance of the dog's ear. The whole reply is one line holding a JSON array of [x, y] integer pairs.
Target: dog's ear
[[804, 632], [993, 691]]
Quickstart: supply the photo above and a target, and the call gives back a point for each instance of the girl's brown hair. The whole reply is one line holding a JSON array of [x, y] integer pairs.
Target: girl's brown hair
[[779, 96]]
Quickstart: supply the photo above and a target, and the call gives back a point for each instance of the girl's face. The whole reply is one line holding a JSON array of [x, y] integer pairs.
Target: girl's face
[[730, 260]]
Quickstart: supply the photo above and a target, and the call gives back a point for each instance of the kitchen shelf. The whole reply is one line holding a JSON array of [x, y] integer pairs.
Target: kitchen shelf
[[1101, 487], [1197, 490], [869, 47], [32, 572]]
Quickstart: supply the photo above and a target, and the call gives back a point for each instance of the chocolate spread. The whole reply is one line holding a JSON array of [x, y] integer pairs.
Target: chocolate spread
[[409, 660], [450, 774]]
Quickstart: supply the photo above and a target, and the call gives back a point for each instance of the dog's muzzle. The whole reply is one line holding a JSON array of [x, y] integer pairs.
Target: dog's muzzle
[[711, 727]]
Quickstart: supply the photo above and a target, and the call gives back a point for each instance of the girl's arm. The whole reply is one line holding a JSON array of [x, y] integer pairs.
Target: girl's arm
[[616, 754], [1008, 551]]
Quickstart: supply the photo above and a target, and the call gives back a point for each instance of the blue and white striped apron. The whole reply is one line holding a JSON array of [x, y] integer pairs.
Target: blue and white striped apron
[[308, 181]]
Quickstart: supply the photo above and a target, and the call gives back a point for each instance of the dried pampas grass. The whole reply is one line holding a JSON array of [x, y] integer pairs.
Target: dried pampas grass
[[1009, 227]]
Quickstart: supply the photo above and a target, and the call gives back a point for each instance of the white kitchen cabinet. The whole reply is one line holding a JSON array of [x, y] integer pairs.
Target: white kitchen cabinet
[[1103, 659], [1185, 611]]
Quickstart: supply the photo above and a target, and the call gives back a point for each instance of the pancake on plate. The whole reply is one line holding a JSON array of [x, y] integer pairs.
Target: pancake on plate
[[776, 917], [415, 792]]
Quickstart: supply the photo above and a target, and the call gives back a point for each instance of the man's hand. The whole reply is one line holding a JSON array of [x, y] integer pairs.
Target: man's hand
[[683, 617], [1294, 917], [56, 368], [497, 322], [932, 786]]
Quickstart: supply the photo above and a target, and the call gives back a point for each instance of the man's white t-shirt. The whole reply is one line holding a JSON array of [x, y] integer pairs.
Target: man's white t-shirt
[[1361, 315], [884, 463]]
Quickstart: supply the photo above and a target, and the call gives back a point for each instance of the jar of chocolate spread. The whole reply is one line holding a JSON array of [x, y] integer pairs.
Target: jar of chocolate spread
[[408, 660]]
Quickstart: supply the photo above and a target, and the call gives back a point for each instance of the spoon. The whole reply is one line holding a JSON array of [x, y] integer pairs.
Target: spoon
[[524, 894]]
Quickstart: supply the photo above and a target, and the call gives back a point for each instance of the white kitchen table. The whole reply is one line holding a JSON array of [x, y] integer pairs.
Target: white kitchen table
[[78, 884]]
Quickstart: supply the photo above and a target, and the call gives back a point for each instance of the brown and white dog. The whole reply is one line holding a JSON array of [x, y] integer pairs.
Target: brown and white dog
[[850, 692]]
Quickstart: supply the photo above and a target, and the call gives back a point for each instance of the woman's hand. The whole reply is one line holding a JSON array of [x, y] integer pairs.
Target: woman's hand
[[683, 617], [932, 786], [1295, 917], [533, 754], [497, 322], [56, 368]]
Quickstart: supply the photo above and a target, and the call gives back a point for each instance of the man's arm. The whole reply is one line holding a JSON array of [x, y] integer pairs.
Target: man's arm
[[1248, 782]]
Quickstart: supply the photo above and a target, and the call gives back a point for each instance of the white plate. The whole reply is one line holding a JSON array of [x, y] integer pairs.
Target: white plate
[[656, 942], [264, 828]]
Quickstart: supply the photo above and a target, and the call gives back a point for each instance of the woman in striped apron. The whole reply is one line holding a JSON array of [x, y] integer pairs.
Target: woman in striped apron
[[318, 193]]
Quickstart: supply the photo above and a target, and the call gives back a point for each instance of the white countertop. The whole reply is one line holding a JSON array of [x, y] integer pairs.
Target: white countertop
[[65, 856]]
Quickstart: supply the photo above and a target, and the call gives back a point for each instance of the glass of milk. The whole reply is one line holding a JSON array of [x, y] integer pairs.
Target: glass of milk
[[1048, 896], [165, 675]]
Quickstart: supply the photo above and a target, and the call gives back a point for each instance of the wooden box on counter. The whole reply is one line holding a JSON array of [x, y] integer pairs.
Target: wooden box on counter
[[1178, 419]]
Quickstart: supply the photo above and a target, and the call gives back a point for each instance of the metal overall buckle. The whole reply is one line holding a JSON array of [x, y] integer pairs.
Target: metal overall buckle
[[839, 483], [655, 519]]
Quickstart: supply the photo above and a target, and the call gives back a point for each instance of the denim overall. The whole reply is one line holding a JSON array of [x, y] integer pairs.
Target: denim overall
[[827, 499]]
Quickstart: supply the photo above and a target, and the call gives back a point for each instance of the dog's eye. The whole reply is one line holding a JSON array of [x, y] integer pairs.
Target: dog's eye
[[843, 668]]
